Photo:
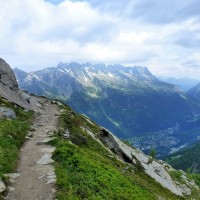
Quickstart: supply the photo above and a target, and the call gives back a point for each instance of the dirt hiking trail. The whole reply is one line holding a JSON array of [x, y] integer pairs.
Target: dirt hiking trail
[[35, 177]]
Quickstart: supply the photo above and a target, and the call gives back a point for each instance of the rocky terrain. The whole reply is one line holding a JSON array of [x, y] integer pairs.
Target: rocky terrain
[[41, 176]]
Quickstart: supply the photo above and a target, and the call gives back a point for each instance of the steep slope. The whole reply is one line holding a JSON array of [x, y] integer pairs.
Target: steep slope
[[195, 92], [90, 162], [10, 91], [131, 102]]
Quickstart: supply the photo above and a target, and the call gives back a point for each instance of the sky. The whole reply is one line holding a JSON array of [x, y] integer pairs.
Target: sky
[[162, 35]]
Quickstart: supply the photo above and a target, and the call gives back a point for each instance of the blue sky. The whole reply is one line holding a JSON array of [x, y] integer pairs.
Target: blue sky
[[162, 35]]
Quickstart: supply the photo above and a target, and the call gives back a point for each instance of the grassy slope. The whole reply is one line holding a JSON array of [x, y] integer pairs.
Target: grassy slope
[[86, 170], [12, 136]]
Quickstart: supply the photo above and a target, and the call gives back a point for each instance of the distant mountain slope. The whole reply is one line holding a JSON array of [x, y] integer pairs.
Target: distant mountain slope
[[195, 92], [183, 83], [128, 101], [187, 159]]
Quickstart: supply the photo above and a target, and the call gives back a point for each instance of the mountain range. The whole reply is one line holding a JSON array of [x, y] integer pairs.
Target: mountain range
[[129, 101]]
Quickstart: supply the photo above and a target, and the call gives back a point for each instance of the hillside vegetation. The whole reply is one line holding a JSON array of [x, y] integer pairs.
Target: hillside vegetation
[[12, 136], [87, 170]]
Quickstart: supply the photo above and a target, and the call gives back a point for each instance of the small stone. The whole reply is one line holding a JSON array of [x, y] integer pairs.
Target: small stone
[[51, 181], [12, 181], [51, 177], [46, 159], [11, 188]]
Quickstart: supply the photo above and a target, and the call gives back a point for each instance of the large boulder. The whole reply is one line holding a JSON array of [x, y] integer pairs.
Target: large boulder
[[9, 89], [7, 76]]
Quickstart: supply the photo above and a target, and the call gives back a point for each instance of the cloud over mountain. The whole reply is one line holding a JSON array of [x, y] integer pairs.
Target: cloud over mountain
[[161, 35]]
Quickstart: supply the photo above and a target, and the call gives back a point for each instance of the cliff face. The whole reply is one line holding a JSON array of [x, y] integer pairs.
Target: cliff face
[[7, 77], [9, 88]]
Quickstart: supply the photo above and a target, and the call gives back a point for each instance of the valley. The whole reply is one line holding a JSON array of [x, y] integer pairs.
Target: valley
[[129, 101]]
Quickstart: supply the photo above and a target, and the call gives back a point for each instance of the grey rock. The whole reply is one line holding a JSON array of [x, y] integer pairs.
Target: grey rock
[[51, 181], [12, 175], [66, 134], [48, 150], [45, 141], [7, 76], [2, 186], [46, 159], [7, 113]]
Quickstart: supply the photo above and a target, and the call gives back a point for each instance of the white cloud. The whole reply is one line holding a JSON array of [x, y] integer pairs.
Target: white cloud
[[38, 34]]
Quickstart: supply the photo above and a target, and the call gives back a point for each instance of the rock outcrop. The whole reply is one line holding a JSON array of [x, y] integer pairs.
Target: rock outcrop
[[9, 89], [7, 113], [158, 170], [7, 76], [2, 186]]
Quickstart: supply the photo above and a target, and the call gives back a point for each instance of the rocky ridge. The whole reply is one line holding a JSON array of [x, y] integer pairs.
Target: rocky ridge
[[9, 89], [157, 169]]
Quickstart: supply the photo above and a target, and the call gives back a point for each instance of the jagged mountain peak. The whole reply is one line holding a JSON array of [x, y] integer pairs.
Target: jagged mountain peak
[[135, 70]]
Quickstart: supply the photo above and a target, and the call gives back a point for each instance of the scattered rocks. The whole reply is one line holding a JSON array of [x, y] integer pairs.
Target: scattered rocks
[[46, 159], [30, 134], [51, 177], [185, 189], [2, 186]]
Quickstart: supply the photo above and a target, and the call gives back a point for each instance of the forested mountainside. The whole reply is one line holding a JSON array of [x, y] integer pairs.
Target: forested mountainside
[[186, 159], [129, 101]]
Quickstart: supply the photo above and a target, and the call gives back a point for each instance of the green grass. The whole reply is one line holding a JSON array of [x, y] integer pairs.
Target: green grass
[[12, 136], [86, 170]]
